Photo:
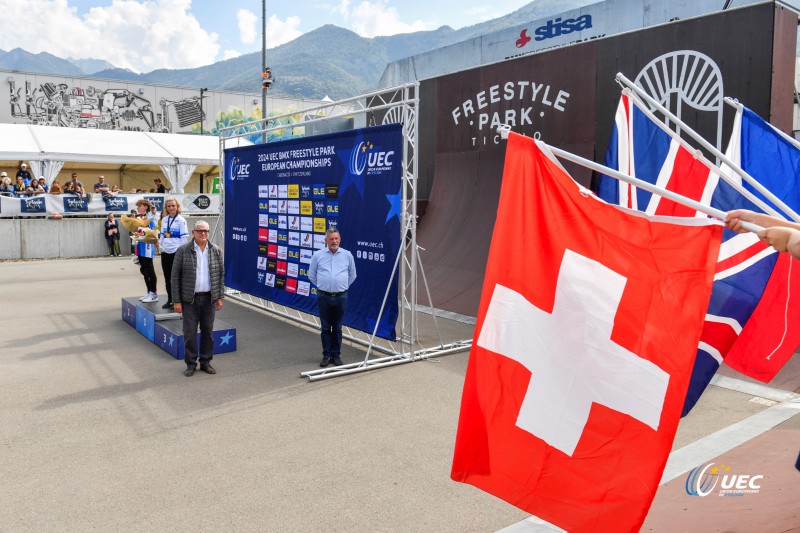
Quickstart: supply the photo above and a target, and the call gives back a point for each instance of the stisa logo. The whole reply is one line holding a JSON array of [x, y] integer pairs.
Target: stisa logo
[[238, 170], [366, 157], [556, 27], [704, 480]]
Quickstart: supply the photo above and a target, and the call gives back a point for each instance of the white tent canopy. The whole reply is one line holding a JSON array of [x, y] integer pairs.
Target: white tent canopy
[[48, 147]]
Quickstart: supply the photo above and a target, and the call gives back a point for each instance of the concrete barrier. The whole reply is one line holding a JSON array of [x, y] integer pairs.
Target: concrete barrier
[[37, 238]]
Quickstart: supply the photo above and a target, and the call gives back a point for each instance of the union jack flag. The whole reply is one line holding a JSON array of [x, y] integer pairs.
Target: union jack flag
[[747, 269]]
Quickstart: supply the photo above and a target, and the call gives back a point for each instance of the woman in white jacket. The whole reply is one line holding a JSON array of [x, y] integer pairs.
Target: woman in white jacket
[[174, 232]]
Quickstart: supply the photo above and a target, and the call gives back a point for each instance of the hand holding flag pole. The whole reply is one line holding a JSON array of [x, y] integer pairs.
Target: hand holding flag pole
[[504, 129]]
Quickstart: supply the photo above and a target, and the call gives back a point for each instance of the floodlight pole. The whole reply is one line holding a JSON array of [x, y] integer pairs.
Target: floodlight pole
[[263, 68], [203, 90]]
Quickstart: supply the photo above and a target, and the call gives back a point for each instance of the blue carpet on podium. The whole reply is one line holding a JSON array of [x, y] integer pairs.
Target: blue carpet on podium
[[164, 327]]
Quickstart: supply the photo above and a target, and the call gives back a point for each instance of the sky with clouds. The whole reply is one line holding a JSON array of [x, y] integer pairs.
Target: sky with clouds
[[145, 35]]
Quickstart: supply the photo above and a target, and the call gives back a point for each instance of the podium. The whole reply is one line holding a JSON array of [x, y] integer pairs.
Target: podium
[[164, 327]]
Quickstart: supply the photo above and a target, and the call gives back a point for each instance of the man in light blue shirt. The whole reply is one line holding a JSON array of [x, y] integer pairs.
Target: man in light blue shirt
[[332, 270]]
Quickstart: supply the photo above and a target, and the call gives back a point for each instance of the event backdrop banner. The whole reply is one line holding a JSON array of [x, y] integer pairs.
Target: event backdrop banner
[[281, 197]]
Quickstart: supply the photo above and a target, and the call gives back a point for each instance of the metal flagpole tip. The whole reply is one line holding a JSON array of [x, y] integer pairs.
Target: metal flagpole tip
[[503, 130]]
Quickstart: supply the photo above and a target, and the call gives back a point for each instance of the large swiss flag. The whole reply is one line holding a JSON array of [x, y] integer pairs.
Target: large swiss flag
[[587, 331]]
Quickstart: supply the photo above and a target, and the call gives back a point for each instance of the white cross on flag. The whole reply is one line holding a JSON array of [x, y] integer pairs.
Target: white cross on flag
[[586, 336]]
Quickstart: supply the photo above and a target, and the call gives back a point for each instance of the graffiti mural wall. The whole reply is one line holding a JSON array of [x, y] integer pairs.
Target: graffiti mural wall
[[103, 104], [51, 104]]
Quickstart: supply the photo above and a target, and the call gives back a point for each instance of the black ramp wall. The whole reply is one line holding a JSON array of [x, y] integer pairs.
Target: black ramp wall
[[567, 96], [457, 228]]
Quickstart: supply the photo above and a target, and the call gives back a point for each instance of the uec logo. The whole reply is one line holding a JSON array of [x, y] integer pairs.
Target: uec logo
[[363, 157], [703, 480], [239, 170], [358, 160]]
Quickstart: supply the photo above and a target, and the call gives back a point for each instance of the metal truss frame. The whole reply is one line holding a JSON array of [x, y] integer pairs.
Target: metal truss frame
[[397, 104]]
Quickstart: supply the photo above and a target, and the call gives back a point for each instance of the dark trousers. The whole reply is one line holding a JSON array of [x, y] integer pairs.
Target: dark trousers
[[200, 313], [166, 266], [331, 314], [149, 273], [113, 245]]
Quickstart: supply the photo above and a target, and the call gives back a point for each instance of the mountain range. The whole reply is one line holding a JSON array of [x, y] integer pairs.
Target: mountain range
[[329, 61]]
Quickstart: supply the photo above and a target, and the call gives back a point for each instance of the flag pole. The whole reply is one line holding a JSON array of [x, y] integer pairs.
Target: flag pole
[[699, 155], [708, 146], [504, 130], [736, 104]]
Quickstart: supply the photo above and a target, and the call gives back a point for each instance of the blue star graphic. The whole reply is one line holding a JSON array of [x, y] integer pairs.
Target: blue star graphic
[[351, 179], [226, 338], [395, 205]]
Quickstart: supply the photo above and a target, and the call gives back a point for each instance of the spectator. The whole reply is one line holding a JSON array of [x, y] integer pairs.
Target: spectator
[[43, 184], [112, 235], [114, 191], [101, 186], [55, 188], [25, 174], [160, 189], [34, 188], [134, 191], [77, 186], [19, 187], [69, 188], [6, 189]]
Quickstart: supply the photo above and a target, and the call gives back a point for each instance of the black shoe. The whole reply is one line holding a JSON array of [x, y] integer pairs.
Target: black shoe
[[189, 372], [208, 369], [166, 305], [337, 361], [325, 361]]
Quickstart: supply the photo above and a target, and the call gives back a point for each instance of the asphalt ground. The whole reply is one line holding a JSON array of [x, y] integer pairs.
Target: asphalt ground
[[100, 430]]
